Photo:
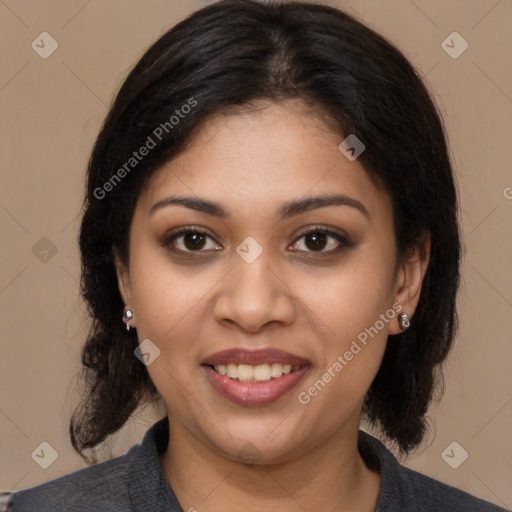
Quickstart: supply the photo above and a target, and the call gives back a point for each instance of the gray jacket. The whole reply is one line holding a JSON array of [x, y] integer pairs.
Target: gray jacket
[[135, 482]]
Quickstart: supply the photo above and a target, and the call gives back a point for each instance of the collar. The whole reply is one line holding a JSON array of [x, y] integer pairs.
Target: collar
[[149, 489]]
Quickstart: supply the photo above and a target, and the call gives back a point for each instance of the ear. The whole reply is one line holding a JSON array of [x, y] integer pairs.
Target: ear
[[409, 280], [123, 282]]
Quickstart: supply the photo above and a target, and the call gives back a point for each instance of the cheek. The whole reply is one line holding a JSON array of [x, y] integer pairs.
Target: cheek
[[352, 348], [168, 302], [350, 298], [353, 312], [161, 296], [161, 303], [168, 306]]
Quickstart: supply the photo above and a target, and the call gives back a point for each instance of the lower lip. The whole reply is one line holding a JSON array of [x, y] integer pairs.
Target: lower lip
[[254, 393]]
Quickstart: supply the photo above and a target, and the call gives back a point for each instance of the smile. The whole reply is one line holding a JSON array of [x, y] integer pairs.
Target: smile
[[252, 378], [260, 373]]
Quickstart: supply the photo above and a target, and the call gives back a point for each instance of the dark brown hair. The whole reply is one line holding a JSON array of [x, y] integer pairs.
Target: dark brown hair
[[229, 55]]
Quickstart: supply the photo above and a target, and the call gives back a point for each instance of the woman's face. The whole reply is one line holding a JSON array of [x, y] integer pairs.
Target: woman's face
[[256, 280]]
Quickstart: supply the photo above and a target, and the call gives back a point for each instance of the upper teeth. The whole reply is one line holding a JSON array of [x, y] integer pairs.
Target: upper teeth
[[261, 372]]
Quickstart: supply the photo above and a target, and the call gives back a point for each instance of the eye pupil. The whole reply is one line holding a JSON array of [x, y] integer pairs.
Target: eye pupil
[[315, 241], [318, 240], [195, 238]]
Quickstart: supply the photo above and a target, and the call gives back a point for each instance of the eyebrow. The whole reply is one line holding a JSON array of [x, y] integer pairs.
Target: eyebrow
[[289, 209]]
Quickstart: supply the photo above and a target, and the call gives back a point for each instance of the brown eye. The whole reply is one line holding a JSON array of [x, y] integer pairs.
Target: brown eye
[[189, 240], [194, 240], [317, 239]]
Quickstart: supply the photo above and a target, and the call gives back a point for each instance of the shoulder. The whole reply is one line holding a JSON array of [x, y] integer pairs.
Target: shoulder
[[433, 495], [102, 487], [132, 482], [406, 490]]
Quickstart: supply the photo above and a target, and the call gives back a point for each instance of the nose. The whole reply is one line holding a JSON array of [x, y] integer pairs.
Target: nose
[[255, 294]]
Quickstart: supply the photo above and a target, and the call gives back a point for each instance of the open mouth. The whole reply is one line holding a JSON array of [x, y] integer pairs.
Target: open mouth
[[258, 373], [254, 377]]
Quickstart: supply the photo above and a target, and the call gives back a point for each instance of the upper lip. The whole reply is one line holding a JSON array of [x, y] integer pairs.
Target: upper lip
[[254, 357]]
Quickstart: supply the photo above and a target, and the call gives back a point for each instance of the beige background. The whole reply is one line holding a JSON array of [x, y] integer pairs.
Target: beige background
[[51, 112]]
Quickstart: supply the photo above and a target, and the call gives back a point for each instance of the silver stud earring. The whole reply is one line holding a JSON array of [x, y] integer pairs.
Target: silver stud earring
[[404, 321], [127, 316]]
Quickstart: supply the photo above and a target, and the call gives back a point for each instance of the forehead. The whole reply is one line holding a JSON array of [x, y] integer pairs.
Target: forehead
[[262, 158]]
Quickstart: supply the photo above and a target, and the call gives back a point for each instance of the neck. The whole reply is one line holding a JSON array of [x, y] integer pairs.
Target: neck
[[329, 477]]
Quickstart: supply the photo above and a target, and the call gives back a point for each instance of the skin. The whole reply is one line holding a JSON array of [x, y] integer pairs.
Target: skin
[[192, 305]]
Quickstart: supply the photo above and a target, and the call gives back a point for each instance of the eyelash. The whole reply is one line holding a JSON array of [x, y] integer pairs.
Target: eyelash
[[342, 239]]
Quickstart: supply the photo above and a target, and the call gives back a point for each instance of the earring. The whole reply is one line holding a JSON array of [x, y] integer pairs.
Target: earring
[[404, 321], [127, 316]]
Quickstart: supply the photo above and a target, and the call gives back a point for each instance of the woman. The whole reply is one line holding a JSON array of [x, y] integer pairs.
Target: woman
[[269, 244]]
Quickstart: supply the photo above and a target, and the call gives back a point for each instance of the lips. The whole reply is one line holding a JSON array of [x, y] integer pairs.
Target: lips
[[254, 393], [255, 357]]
